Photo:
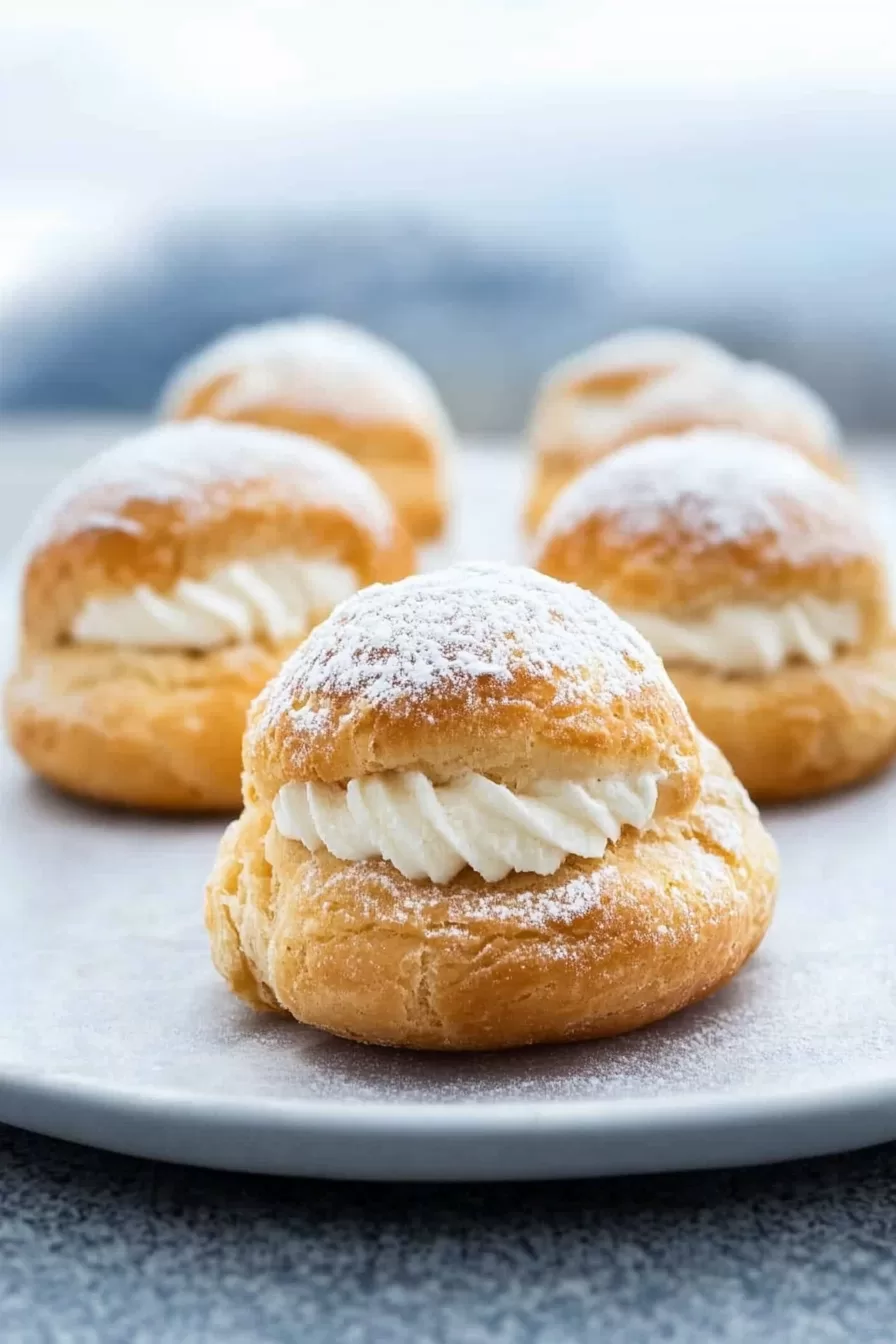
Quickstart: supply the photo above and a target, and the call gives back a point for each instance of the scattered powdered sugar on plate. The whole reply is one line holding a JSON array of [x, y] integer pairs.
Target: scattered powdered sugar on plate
[[317, 364], [442, 631], [128, 991], [187, 463], [721, 486]]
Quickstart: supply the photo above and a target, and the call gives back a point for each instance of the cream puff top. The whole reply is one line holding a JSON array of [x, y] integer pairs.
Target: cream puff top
[[315, 364], [712, 389], [709, 493]]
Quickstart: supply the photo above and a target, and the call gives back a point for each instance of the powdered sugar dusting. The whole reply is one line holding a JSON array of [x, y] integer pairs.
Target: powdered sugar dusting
[[713, 388], [720, 486], [644, 349], [434, 633], [572, 897], [815, 1009], [721, 825], [189, 463], [788, 405], [317, 364], [751, 396]]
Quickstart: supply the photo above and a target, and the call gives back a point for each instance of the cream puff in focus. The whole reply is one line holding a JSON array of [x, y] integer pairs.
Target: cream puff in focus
[[165, 582], [478, 815], [644, 383], [760, 583], [340, 384]]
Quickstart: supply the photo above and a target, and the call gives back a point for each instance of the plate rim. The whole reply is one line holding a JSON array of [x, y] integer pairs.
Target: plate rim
[[465, 1140]]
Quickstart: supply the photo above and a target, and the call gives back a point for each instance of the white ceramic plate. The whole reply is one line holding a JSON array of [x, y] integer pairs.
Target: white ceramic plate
[[115, 1031]]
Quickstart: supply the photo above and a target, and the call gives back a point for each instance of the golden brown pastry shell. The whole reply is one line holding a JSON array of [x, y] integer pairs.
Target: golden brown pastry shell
[[161, 542], [405, 462], [556, 464], [537, 723], [680, 573], [136, 728], [804, 730], [663, 920]]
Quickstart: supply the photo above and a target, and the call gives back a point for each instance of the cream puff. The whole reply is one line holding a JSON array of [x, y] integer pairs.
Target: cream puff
[[760, 583], [331, 380], [643, 383], [477, 815], [165, 582]]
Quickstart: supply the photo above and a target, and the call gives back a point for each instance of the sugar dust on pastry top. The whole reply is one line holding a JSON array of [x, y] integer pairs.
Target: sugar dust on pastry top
[[319, 376], [761, 583], [166, 580], [642, 383], [477, 814]]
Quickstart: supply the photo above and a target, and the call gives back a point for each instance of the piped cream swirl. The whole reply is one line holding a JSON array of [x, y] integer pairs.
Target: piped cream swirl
[[753, 638], [275, 597], [428, 830]]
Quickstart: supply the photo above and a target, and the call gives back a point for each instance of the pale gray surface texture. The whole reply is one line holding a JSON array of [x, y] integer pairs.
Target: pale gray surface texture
[[114, 1250]]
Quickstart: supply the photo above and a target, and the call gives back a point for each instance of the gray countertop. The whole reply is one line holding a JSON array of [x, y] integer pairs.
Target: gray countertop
[[99, 1247]]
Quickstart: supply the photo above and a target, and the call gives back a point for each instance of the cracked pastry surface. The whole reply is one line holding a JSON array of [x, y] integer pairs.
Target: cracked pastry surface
[[165, 582], [477, 815]]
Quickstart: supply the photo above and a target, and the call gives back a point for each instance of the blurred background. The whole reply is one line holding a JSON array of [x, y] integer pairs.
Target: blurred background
[[489, 183]]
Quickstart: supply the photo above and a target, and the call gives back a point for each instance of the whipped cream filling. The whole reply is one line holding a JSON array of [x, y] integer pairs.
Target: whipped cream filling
[[748, 638], [274, 597], [428, 830]]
